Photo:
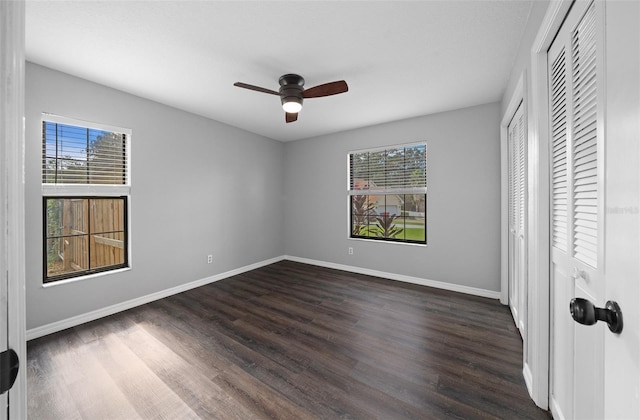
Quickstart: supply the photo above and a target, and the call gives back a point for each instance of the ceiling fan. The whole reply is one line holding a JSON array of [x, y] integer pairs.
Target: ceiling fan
[[292, 92]]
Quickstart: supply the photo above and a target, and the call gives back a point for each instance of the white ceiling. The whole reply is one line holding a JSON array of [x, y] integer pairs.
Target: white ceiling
[[401, 59]]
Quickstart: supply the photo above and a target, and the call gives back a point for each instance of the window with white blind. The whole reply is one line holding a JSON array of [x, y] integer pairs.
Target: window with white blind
[[74, 154], [85, 187], [388, 193]]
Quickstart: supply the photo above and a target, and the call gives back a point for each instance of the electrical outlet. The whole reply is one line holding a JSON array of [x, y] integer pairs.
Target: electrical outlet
[[350, 251], [209, 259]]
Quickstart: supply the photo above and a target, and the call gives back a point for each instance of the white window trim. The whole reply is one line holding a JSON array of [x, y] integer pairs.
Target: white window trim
[[46, 116], [378, 241], [387, 147], [85, 190], [85, 277]]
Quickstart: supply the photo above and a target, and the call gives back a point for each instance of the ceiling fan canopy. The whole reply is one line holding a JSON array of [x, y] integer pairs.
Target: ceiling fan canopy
[[292, 92]]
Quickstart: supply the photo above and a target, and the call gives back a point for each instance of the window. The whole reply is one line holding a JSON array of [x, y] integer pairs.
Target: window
[[85, 184], [84, 235], [388, 193]]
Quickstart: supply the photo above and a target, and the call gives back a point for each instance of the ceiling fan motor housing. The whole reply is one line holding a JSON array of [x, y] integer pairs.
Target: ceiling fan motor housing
[[292, 92], [291, 88]]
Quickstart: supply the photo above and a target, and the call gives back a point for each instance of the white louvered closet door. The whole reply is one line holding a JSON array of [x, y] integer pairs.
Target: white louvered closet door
[[576, 213], [517, 217]]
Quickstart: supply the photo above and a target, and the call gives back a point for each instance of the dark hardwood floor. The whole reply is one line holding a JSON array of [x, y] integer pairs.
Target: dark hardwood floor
[[288, 341]]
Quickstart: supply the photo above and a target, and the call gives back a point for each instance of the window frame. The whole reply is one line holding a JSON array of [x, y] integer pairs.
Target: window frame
[[62, 190], [385, 192], [46, 279]]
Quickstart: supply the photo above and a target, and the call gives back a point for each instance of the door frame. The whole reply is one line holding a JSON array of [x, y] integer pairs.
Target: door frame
[[12, 31], [518, 96], [537, 342]]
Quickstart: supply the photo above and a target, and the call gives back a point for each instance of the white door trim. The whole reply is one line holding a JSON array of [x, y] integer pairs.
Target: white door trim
[[12, 33], [518, 96], [536, 367]]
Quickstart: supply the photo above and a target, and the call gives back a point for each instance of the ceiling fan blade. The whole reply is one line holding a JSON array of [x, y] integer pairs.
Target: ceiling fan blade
[[256, 88], [326, 89], [291, 116]]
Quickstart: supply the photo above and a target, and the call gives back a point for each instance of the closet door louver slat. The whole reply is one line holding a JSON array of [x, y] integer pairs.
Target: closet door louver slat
[[521, 174], [585, 141], [513, 181], [559, 178]]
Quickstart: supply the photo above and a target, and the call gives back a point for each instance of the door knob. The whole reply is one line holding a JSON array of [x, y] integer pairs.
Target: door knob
[[585, 312], [9, 365]]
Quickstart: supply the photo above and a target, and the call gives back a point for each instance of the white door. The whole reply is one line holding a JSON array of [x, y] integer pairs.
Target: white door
[[4, 304], [516, 145], [4, 344], [622, 181], [594, 185], [12, 201], [575, 95]]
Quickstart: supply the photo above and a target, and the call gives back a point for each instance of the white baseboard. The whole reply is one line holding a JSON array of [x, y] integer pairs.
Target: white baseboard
[[399, 277], [119, 307], [528, 379], [556, 412]]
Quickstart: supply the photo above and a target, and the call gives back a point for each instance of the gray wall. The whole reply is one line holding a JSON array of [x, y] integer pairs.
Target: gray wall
[[523, 58], [463, 200], [189, 198], [198, 187]]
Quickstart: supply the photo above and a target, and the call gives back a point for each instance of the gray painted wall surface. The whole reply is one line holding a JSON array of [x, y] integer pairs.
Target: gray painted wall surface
[[463, 200], [523, 59], [189, 198], [288, 199]]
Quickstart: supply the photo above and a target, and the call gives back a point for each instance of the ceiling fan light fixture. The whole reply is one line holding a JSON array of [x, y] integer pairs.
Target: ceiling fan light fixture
[[292, 104], [292, 92]]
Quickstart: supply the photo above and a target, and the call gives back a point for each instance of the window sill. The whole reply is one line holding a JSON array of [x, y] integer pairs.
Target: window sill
[[87, 277], [378, 241]]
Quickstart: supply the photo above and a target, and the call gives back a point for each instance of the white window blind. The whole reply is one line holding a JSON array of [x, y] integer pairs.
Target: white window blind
[[559, 198], [585, 141], [75, 154], [392, 170]]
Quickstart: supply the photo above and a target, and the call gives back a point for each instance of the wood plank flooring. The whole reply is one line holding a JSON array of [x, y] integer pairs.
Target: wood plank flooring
[[287, 341]]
